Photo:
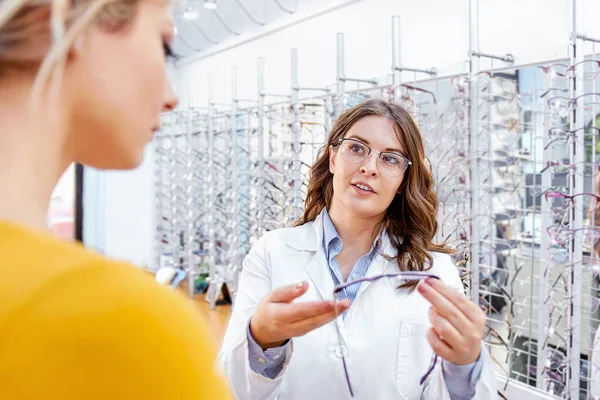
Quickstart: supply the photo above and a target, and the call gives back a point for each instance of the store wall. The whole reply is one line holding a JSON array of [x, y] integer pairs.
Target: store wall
[[434, 33]]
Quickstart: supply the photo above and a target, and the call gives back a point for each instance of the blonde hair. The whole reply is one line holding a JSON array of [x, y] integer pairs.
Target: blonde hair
[[41, 32]]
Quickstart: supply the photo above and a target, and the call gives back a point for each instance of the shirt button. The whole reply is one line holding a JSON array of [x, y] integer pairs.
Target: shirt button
[[341, 351], [276, 358], [262, 360]]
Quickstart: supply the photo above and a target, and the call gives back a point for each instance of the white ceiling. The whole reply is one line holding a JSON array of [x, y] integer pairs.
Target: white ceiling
[[230, 19]]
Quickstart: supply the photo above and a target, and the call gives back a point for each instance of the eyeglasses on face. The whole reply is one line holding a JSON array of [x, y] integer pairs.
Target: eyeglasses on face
[[354, 151], [395, 281]]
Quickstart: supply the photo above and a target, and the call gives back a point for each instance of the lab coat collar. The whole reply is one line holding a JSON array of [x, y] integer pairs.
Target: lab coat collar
[[309, 237]]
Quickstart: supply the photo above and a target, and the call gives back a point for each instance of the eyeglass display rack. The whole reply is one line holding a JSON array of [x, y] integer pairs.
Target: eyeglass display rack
[[497, 147]]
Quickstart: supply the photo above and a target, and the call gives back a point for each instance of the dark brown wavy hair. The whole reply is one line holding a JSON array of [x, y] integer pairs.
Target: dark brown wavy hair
[[410, 220]]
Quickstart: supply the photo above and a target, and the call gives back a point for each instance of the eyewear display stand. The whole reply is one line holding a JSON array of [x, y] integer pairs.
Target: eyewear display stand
[[498, 140]]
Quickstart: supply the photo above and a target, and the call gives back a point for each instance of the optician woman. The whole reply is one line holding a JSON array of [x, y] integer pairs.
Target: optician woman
[[370, 211]]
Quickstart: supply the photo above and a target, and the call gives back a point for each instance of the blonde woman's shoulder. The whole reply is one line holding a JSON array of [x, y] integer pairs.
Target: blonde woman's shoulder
[[105, 327]]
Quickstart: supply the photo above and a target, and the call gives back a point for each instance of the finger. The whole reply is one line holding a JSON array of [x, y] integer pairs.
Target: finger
[[309, 324], [445, 331], [439, 346], [287, 294], [462, 302], [304, 310], [300, 311], [444, 307]]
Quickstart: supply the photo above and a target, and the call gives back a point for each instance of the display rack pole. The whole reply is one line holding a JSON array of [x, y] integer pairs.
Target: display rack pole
[[261, 151], [213, 274], [397, 67], [190, 218], [173, 177], [341, 75], [234, 238], [296, 127], [474, 145], [544, 264], [576, 186], [474, 139], [396, 47]]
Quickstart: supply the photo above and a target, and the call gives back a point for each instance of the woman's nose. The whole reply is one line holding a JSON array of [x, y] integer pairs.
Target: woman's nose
[[369, 165]]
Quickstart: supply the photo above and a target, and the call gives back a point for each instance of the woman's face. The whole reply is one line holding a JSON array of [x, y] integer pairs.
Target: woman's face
[[378, 133], [117, 88]]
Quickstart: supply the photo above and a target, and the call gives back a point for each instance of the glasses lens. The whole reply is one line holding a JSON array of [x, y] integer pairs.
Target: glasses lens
[[554, 386], [353, 151], [590, 237], [555, 360], [559, 106], [588, 169], [559, 256], [587, 70], [392, 164], [556, 72]]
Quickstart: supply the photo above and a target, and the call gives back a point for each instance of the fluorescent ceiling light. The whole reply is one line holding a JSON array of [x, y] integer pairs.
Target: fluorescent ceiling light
[[210, 4], [190, 12]]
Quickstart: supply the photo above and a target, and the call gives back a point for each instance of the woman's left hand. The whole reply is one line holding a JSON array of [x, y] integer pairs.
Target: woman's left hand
[[458, 323]]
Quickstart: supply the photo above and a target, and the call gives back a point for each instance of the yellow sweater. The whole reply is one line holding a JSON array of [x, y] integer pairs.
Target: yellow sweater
[[74, 325]]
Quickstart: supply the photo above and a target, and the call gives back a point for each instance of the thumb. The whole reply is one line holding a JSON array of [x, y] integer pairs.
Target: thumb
[[286, 294]]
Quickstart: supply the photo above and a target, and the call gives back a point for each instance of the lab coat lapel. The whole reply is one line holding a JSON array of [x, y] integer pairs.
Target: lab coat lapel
[[317, 269], [309, 238], [320, 275]]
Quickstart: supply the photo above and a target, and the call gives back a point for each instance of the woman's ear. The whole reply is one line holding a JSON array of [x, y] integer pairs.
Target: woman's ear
[[331, 159], [400, 187]]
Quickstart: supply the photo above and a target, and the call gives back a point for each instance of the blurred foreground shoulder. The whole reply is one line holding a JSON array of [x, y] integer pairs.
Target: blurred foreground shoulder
[[107, 330]]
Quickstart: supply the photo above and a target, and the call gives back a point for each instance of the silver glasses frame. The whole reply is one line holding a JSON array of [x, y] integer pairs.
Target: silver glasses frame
[[379, 153]]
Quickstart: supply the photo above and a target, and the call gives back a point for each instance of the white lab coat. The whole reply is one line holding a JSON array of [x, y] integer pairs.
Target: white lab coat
[[383, 332]]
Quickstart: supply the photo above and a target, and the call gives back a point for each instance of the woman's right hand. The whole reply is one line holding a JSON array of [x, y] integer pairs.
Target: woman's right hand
[[277, 319]]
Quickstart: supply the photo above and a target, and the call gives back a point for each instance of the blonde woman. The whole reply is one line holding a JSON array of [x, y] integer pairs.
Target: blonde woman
[[84, 81]]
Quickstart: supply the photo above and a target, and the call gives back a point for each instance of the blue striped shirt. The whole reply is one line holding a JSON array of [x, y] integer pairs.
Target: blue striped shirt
[[332, 245]]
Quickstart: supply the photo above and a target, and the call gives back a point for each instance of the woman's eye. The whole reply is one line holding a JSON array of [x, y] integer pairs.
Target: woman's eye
[[356, 148], [391, 159]]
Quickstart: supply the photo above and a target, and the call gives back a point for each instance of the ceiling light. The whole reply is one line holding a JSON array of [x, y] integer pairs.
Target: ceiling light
[[210, 4], [175, 31], [190, 12]]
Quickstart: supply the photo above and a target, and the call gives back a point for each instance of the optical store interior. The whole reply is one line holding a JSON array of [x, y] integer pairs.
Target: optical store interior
[[495, 106]]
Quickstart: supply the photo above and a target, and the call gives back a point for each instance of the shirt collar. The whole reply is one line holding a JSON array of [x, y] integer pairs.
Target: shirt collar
[[330, 234], [329, 231]]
